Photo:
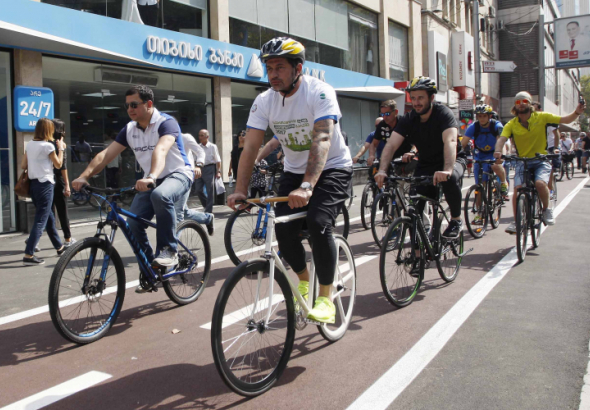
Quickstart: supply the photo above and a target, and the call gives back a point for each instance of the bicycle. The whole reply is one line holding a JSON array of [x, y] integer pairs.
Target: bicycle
[[259, 308], [370, 191], [87, 287], [245, 232], [407, 235], [483, 200], [529, 209], [81, 198], [567, 165]]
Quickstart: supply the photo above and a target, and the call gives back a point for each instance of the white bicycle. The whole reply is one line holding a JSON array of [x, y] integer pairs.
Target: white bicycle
[[259, 308]]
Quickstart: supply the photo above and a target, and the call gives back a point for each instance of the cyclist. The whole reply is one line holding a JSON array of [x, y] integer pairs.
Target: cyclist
[[528, 130], [368, 143], [304, 115], [585, 146], [432, 128], [155, 139], [484, 133]]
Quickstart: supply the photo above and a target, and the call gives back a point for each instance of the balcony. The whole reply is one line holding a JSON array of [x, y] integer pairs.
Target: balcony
[[184, 16]]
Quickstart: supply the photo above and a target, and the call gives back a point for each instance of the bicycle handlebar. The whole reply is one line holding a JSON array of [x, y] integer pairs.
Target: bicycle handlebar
[[264, 200], [536, 157], [111, 191]]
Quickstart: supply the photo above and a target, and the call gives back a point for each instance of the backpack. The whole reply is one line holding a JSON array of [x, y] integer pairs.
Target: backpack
[[489, 142]]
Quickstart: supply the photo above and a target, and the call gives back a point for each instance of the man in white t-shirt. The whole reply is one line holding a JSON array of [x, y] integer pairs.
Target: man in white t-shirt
[[303, 113], [156, 141], [566, 143]]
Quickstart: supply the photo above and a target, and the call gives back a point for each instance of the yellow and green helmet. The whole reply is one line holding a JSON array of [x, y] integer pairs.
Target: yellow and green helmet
[[422, 83], [283, 47]]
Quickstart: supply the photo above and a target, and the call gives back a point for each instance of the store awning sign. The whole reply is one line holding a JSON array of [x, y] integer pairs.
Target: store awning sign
[[30, 104]]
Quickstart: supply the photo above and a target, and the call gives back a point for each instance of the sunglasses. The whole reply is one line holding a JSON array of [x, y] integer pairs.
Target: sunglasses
[[525, 101], [133, 104], [385, 114]]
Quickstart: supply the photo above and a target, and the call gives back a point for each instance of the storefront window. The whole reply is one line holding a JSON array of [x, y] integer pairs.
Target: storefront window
[[185, 16], [89, 98], [398, 52], [7, 222], [358, 120], [242, 98]]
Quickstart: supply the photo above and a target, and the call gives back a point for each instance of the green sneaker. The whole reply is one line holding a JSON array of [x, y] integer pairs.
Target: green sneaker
[[303, 288], [323, 311], [504, 189], [477, 220]]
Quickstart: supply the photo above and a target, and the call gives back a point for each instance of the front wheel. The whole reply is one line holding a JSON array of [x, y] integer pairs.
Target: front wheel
[[569, 169], [561, 172], [194, 257], [250, 347], [522, 225], [553, 198], [536, 221], [476, 216], [450, 251], [86, 291], [366, 205], [245, 234], [495, 204]]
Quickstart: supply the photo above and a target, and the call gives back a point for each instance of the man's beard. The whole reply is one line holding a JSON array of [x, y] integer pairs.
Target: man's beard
[[525, 110], [425, 110]]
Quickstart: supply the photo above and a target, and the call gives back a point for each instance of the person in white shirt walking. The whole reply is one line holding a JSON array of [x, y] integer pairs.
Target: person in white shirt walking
[[211, 170]]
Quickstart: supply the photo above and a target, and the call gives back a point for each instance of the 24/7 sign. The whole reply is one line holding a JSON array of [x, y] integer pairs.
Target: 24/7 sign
[[30, 104]]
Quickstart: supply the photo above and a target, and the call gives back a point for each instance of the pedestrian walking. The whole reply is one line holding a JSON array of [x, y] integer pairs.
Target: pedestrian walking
[[258, 179], [235, 156], [211, 170], [578, 149], [39, 159]]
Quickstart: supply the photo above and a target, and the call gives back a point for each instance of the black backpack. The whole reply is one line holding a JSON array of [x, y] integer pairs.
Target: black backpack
[[477, 130]]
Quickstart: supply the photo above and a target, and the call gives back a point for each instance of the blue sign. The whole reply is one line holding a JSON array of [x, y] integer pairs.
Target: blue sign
[[30, 104]]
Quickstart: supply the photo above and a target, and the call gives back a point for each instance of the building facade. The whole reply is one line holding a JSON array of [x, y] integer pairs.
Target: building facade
[[201, 59]]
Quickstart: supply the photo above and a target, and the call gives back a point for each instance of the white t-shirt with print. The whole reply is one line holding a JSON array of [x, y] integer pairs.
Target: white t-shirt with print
[[39, 165], [293, 123]]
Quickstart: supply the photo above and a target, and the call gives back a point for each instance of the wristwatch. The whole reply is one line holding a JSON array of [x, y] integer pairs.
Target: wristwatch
[[306, 186], [200, 165], [152, 176]]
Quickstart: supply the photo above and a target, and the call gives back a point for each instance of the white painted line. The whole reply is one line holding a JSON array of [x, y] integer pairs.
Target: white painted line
[[59, 392], [390, 385], [585, 394], [244, 312]]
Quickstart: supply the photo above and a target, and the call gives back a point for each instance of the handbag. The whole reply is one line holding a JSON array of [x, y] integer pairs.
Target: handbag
[[22, 185], [219, 187]]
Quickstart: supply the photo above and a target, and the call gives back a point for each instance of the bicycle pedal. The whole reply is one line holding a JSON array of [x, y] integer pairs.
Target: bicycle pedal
[[312, 322]]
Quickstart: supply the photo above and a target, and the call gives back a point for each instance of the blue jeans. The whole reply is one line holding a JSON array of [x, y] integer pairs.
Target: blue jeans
[[207, 178], [42, 196], [184, 212], [163, 202], [541, 169]]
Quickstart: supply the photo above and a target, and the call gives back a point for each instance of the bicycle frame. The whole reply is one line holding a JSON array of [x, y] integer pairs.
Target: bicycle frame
[[418, 224]]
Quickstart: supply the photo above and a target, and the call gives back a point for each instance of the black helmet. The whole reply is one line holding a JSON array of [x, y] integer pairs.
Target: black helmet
[[422, 83], [283, 47]]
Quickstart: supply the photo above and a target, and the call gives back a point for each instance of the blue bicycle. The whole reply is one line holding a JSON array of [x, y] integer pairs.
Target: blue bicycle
[[88, 284]]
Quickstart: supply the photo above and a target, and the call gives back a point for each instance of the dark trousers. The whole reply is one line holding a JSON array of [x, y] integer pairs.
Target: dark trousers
[[206, 181], [60, 203], [579, 157], [451, 188], [112, 179], [42, 196]]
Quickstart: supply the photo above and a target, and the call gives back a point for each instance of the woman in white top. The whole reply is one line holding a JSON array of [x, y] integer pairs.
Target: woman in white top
[[40, 158]]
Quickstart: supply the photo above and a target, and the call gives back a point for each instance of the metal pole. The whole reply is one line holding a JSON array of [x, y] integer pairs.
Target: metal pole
[[542, 58], [477, 48]]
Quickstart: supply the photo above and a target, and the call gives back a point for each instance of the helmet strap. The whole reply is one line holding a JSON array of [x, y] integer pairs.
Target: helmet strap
[[291, 88]]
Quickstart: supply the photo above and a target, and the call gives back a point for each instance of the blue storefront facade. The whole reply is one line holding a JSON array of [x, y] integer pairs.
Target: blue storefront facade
[[89, 57]]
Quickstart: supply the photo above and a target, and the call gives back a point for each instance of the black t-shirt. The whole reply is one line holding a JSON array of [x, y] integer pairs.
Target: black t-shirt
[[427, 136], [383, 132], [57, 171], [235, 160], [586, 141]]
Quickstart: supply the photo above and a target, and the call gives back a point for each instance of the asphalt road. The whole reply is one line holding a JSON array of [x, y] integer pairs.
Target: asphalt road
[[500, 336]]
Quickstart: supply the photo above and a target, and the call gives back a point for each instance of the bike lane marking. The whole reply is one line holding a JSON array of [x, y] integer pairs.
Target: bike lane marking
[[59, 392], [390, 385]]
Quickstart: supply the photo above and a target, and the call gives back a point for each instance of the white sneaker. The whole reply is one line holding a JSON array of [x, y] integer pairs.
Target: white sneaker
[[548, 217], [70, 243], [511, 229], [167, 258]]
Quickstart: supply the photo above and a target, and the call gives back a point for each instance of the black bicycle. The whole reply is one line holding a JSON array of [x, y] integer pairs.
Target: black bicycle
[[411, 248], [529, 209], [483, 202], [370, 191], [567, 165]]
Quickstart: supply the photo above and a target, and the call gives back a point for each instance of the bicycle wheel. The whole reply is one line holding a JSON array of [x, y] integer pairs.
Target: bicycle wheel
[[342, 223], [344, 292], [522, 225], [569, 170], [84, 303], [536, 221], [395, 267], [448, 261], [471, 210], [366, 204], [553, 198], [495, 205], [244, 235], [561, 171], [79, 198], [185, 288], [383, 214], [251, 352]]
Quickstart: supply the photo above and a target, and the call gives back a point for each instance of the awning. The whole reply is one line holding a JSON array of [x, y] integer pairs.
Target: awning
[[381, 92], [22, 37], [569, 128]]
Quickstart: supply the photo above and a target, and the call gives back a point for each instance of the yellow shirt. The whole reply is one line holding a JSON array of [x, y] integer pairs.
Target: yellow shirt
[[533, 140]]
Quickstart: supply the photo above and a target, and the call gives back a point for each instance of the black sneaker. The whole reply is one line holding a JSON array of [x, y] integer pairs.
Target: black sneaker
[[33, 261], [211, 227], [453, 230], [415, 272]]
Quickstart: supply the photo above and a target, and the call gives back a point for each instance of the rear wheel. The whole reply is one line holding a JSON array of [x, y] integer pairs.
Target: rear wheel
[[495, 204], [522, 225], [366, 205], [536, 221], [244, 235], [383, 214], [476, 216], [195, 257], [449, 253]]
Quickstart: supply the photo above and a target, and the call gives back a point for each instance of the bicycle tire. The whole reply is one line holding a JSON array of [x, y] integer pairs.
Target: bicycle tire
[[561, 172], [80, 199], [186, 288], [553, 198], [342, 223], [570, 169], [470, 211], [448, 259], [536, 221], [383, 214], [344, 301], [239, 236], [399, 287], [522, 225], [70, 298], [495, 205], [253, 373], [366, 204]]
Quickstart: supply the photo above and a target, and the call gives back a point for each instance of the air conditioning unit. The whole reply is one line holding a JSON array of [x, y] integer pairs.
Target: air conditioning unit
[[109, 75], [492, 11], [500, 25]]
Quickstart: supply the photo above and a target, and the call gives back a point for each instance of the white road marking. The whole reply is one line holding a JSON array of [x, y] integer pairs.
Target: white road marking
[[238, 315], [59, 392], [585, 394], [391, 384]]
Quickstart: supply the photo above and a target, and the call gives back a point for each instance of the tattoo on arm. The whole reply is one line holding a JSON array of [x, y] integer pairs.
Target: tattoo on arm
[[322, 133]]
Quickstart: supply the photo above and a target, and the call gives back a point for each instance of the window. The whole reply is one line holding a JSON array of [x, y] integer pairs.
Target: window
[[7, 181], [398, 52], [358, 120]]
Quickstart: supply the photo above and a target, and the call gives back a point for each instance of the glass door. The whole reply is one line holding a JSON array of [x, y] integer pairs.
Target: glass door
[[7, 198]]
